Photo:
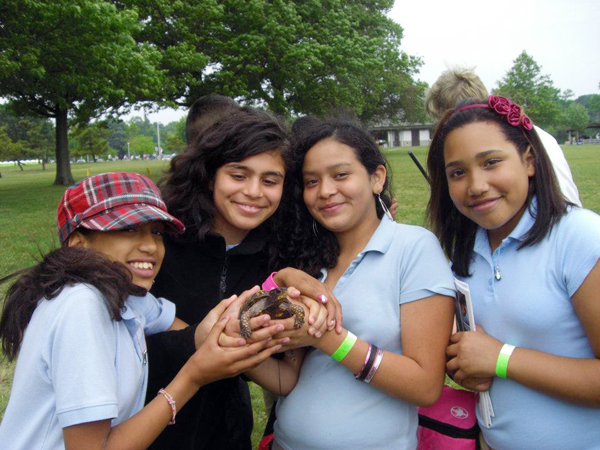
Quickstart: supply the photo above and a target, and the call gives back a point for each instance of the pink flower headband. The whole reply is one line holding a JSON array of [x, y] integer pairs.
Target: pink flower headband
[[504, 107]]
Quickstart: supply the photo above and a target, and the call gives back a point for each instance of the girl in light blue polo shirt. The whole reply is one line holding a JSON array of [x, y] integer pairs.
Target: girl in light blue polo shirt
[[531, 261], [77, 322], [361, 389]]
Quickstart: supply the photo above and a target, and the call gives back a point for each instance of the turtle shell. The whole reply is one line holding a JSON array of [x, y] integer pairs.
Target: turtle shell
[[275, 303]]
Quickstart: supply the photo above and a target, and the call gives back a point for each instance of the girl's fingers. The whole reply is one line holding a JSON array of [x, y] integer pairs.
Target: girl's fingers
[[216, 330], [226, 341], [452, 366], [452, 350], [265, 333], [280, 341], [320, 324], [456, 337], [259, 321], [314, 308]]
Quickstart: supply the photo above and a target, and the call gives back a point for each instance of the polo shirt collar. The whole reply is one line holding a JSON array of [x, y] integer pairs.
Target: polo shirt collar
[[130, 317], [379, 242], [383, 236]]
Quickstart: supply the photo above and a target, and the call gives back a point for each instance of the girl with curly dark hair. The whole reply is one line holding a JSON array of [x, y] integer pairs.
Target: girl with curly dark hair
[[361, 389], [227, 188]]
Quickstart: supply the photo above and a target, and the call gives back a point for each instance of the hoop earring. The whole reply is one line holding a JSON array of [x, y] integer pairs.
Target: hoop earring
[[315, 229], [386, 211]]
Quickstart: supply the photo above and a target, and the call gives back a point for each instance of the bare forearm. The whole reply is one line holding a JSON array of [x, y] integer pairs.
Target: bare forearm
[[398, 376], [571, 379], [277, 376], [142, 429]]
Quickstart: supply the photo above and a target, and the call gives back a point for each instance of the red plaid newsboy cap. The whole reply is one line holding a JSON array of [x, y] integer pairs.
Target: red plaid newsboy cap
[[112, 201]]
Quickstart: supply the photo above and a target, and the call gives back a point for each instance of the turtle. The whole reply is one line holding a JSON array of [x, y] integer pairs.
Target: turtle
[[275, 303]]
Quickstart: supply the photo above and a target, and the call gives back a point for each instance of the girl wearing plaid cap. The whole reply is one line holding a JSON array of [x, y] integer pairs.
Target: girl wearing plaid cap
[[77, 322]]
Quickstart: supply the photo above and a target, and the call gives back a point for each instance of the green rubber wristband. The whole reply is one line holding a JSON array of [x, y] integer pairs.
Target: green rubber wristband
[[344, 347], [502, 362]]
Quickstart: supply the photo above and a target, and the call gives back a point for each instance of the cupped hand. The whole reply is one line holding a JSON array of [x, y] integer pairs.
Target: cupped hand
[[310, 287], [479, 384], [472, 354], [212, 362]]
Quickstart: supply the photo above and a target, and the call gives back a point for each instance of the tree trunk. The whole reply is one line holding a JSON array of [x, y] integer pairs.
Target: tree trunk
[[20, 165], [63, 164]]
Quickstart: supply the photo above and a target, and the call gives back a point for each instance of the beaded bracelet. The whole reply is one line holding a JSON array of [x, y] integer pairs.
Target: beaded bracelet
[[171, 401], [376, 364], [344, 347], [502, 361]]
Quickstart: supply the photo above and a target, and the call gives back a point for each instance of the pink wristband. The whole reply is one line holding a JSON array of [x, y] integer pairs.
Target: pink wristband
[[269, 283], [171, 401], [378, 358], [358, 374]]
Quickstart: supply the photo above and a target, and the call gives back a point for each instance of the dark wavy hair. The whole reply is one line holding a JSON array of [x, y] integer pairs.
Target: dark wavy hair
[[59, 268], [455, 231], [298, 244], [186, 187]]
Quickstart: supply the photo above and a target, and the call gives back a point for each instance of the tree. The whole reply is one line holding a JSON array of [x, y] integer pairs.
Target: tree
[[291, 56], [65, 59], [33, 135], [118, 137], [574, 117], [93, 140], [11, 151], [142, 145], [525, 85], [591, 103]]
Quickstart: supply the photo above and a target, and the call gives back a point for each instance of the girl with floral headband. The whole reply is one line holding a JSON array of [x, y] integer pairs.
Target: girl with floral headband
[[531, 261], [77, 322]]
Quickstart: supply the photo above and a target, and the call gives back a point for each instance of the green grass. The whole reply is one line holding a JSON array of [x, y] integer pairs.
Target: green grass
[[28, 204]]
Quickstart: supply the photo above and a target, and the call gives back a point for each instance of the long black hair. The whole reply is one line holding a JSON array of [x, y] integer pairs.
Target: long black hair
[[186, 187], [455, 231], [59, 268], [303, 243]]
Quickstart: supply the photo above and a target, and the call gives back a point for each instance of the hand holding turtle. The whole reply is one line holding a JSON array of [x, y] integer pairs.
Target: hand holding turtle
[[212, 362], [312, 288]]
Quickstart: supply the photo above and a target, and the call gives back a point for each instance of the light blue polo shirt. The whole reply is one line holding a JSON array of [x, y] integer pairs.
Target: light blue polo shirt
[[530, 306], [329, 408], [77, 365]]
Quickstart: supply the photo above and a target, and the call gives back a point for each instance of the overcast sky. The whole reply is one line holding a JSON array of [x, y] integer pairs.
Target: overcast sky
[[562, 36]]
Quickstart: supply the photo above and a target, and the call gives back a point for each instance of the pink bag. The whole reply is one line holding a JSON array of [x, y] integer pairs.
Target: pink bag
[[451, 423]]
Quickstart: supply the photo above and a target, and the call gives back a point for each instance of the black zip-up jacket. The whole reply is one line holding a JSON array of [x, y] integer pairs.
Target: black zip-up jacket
[[196, 275]]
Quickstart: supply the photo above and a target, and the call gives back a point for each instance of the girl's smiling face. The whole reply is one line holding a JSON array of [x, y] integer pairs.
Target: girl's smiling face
[[246, 193], [487, 179], [140, 248], [338, 190]]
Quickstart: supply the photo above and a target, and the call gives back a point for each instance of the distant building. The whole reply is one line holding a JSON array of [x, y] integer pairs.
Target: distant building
[[393, 134]]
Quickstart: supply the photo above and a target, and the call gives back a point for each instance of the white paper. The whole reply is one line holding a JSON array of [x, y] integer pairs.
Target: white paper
[[465, 321]]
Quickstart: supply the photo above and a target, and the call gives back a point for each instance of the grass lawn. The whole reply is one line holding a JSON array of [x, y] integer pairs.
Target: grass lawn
[[28, 204]]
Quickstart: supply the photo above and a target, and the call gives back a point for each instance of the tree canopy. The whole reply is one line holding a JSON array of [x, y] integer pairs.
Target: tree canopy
[[73, 59], [293, 57], [525, 84]]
